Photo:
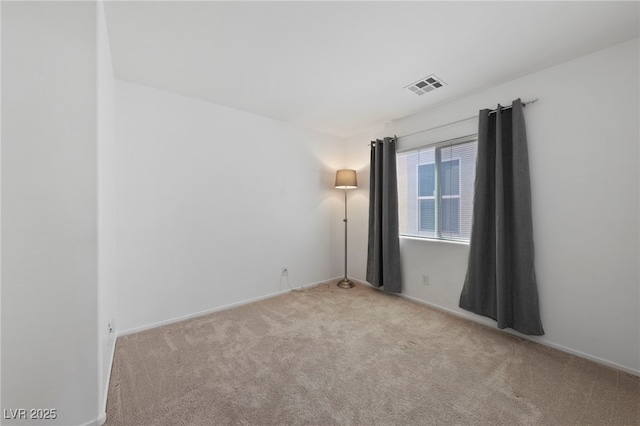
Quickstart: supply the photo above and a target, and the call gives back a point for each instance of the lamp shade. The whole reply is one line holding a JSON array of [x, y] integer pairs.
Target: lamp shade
[[346, 179]]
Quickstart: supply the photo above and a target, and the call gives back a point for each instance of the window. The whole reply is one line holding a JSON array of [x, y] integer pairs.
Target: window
[[435, 190]]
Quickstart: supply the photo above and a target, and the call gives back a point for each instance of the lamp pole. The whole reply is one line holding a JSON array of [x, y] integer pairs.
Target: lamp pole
[[346, 179], [345, 282]]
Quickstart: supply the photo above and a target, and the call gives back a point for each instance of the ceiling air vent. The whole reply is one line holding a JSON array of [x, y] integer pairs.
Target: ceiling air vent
[[425, 85]]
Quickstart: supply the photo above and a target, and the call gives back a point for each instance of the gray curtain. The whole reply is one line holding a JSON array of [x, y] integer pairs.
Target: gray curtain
[[501, 279], [383, 256]]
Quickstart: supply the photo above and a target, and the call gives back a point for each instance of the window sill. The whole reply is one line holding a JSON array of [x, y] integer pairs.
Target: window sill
[[435, 240]]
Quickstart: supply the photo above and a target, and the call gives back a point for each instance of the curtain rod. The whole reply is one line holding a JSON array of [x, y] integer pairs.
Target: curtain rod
[[461, 120], [524, 104]]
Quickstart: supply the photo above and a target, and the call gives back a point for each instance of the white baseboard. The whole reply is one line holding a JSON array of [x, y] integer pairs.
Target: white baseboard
[[217, 309], [94, 422], [102, 418], [474, 318], [490, 323]]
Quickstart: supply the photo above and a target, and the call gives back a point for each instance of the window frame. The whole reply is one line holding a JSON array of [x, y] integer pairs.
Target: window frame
[[418, 223], [438, 146], [438, 195]]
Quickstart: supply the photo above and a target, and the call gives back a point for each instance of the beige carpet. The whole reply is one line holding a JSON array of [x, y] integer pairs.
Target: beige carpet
[[329, 356]]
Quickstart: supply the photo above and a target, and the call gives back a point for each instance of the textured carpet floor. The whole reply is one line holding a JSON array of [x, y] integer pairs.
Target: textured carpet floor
[[328, 356]]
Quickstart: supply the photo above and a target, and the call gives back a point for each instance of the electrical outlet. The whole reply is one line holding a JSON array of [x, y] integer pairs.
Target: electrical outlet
[[425, 279], [285, 271]]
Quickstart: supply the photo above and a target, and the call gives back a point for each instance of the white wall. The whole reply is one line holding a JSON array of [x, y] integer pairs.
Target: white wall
[[106, 210], [49, 229], [212, 203], [583, 145]]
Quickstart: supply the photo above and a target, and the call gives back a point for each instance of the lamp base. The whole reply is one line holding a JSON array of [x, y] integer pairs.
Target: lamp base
[[345, 283]]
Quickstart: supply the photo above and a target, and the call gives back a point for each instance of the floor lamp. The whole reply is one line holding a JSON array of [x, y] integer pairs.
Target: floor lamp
[[345, 179]]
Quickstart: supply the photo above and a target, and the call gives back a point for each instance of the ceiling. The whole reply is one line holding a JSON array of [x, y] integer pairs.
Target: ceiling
[[341, 67]]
